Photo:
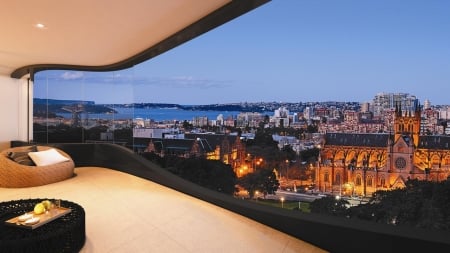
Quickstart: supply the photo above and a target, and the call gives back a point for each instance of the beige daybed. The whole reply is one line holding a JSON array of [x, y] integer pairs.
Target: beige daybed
[[16, 175]]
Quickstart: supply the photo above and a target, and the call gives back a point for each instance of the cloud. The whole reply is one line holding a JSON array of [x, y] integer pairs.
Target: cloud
[[120, 78], [186, 82], [95, 77], [72, 75]]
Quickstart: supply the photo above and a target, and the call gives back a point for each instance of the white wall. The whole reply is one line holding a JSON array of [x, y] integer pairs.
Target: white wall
[[13, 110]]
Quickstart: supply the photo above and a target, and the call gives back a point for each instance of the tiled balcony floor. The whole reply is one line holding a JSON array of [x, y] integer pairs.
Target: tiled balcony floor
[[125, 213]]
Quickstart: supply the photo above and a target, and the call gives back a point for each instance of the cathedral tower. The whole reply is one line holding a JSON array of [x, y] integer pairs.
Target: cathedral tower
[[407, 123]]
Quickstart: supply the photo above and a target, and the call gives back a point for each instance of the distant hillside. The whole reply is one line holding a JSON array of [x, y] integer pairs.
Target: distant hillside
[[262, 107], [51, 107], [213, 107]]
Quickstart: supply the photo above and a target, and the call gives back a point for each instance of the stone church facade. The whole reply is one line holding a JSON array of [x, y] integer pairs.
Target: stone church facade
[[360, 164]]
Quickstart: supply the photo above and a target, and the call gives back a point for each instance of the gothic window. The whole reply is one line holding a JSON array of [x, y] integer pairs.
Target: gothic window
[[369, 181], [383, 182], [358, 180], [325, 177], [446, 161], [338, 178]]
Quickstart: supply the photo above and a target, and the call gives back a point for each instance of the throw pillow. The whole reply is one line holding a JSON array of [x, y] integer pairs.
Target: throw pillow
[[47, 157], [21, 158]]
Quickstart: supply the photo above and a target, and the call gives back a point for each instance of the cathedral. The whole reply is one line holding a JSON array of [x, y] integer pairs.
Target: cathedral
[[360, 164]]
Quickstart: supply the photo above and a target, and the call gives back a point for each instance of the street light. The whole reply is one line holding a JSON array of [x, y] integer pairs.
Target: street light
[[282, 202], [340, 187], [287, 176], [258, 163]]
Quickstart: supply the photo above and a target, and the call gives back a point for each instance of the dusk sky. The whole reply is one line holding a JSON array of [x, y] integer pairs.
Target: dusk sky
[[288, 51]]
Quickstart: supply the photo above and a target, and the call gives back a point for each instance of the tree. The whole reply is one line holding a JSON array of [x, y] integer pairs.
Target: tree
[[263, 137], [288, 152], [309, 155], [300, 171], [211, 174], [263, 180], [187, 125], [422, 204], [312, 128], [329, 205]]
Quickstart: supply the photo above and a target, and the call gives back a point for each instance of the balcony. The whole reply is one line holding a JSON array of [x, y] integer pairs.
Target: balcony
[[133, 205], [125, 213]]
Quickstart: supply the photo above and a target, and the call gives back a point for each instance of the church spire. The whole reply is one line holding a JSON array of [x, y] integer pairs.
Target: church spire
[[417, 108], [398, 109]]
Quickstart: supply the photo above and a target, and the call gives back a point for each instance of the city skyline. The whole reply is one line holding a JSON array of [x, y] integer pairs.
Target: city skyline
[[287, 51]]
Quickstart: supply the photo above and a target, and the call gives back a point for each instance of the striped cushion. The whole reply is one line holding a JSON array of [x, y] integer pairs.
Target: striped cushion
[[21, 158]]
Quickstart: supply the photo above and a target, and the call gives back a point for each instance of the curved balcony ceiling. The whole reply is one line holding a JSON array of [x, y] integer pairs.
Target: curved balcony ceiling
[[102, 35]]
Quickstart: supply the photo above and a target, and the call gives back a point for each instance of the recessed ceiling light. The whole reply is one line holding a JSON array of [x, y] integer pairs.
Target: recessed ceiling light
[[40, 26]]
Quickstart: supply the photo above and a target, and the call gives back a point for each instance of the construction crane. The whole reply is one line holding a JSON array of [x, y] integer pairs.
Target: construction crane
[[76, 111]]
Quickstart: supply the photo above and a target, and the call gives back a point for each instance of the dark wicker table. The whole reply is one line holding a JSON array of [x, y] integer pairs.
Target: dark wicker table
[[64, 234]]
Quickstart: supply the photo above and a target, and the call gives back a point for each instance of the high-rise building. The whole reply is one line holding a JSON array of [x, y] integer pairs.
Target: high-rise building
[[426, 104], [308, 113], [281, 117], [388, 101], [365, 107]]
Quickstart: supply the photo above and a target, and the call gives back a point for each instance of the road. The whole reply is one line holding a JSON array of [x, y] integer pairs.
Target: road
[[292, 196]]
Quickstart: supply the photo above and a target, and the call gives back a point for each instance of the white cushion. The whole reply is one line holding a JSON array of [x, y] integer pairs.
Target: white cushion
[[47, 157]]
